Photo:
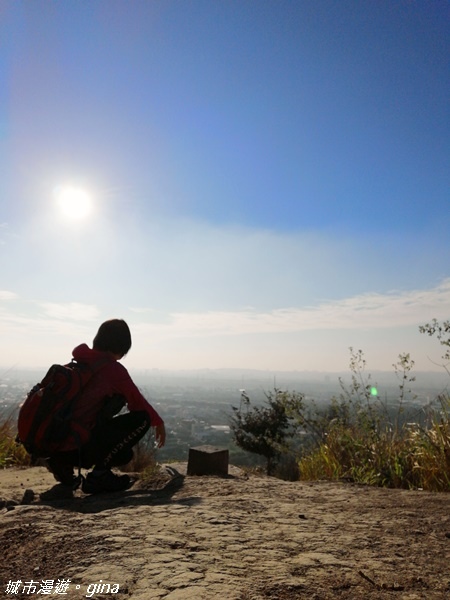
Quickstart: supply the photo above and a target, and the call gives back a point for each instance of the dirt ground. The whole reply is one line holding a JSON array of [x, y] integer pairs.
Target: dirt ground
[[234, 538]]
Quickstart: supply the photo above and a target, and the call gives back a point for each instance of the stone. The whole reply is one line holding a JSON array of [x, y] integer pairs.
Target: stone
[[28, 497], [207, 460]]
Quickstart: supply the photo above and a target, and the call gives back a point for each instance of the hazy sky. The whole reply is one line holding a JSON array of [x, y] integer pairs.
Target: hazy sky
[[269, 180]]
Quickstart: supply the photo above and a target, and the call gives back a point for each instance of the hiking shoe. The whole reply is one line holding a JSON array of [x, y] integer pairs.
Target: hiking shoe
[[98, 482], [61, 471]]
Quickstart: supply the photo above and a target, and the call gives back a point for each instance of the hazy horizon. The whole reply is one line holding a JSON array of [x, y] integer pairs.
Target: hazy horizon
[[236, 372]]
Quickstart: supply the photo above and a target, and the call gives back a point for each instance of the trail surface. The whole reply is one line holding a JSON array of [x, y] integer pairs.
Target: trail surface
[[235, 538]]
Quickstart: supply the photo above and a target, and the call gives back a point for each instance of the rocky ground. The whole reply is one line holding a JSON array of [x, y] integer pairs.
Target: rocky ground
[[235, 538]]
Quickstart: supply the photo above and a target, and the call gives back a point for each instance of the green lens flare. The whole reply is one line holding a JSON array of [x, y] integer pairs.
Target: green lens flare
[[374, 391]]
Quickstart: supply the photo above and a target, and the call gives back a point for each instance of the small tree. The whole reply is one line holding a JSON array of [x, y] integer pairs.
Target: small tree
[[265, 430]]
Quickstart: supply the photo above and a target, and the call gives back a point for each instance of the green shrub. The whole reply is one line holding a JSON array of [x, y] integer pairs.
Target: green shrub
[[266, 430]]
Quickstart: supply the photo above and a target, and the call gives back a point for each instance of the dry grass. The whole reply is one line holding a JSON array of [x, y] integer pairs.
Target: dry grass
[[411, 456], [143, 459], [12, 454]]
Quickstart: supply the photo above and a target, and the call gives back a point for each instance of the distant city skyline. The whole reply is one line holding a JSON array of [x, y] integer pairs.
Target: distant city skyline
[[249, 184]]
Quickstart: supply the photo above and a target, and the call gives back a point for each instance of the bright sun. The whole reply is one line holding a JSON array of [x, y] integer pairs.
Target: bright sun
[[74, 203]]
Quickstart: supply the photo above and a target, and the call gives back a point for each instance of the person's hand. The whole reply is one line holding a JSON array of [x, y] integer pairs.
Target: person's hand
[[160, 435]]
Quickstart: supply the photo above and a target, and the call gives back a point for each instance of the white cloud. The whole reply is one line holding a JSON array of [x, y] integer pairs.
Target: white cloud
[[74, 311], [184, 266], [301, 337], [197, 295], [371, 310], [187, 266], [141, 310], [6, 295]]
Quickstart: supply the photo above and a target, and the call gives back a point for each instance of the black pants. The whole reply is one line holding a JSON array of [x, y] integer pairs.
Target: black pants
[[111, 442]]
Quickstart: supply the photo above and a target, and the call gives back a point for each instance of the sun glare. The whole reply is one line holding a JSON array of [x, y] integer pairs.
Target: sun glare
[[74, 203]]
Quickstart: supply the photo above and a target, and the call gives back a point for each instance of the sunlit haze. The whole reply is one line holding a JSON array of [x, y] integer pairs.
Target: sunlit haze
[[74, 203], [249, 184]]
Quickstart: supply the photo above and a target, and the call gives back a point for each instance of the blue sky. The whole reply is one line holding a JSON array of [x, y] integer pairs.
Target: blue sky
[[269, 180]]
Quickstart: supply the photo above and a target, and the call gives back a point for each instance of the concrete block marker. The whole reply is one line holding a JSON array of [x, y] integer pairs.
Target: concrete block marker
[[207, 460]]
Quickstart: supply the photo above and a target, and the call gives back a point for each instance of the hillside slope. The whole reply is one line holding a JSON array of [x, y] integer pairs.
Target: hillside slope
[[235, 538]]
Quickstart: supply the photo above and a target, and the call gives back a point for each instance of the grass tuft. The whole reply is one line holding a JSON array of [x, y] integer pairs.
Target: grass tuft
[[12, 454], [410, 456]]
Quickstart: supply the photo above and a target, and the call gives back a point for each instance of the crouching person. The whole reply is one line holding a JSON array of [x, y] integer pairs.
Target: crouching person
[[108, 436]]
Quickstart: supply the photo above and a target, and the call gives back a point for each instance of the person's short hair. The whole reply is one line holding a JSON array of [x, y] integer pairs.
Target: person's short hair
[[113, 336]]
